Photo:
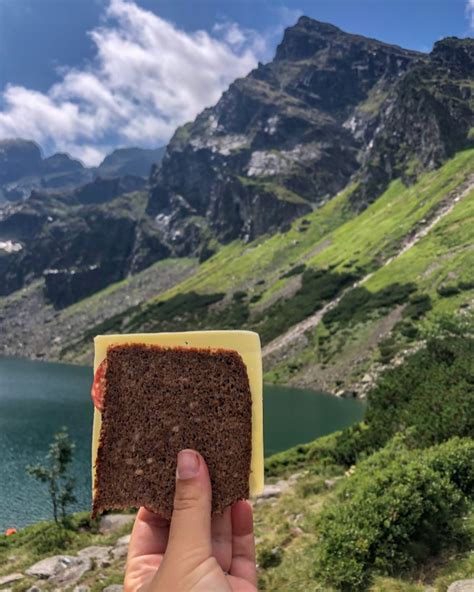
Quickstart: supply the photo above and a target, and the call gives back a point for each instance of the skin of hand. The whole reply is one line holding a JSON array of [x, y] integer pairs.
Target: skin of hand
[[193, 552]]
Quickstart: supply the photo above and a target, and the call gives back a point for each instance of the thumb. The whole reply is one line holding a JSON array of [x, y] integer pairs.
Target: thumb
[[190, 528]]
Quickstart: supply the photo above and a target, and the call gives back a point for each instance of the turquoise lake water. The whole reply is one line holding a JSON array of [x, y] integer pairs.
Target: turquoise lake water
[[37, 398]]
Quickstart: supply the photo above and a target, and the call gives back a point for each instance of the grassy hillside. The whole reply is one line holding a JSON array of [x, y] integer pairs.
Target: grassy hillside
[[395, 267], [408, 257]]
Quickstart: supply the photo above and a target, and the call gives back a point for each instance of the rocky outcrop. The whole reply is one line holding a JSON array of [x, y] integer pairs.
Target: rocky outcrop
[[276, 143], [78, 249], [462, 586], [425, 119]]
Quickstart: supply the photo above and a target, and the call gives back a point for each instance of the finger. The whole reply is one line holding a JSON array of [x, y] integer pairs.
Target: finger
[[190, 528], [149, 535], [221, 536], [243, 543]]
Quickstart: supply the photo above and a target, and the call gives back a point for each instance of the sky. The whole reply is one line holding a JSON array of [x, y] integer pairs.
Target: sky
[[87, 76]]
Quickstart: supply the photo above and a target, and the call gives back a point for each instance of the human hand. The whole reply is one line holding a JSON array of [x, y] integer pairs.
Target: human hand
[[193, 552]]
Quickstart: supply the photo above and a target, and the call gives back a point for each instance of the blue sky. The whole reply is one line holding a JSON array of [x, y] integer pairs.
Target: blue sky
[[85, 76]]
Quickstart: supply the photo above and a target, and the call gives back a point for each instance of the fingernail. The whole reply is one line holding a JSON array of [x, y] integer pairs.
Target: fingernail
[[188, 464]]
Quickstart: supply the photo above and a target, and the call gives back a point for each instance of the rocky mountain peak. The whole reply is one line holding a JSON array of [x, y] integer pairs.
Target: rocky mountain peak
[[18, 157], [455, 54]]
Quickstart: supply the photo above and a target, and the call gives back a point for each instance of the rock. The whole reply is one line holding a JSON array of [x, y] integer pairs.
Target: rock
[[114, 522], [10, 578], [296, 531], [274, 489], [124, 540], [81, 589], [462, 586], [330, 483], [73, 572], [99, 553], [114, 588], [47, 568], [33, 589], [120, 552]]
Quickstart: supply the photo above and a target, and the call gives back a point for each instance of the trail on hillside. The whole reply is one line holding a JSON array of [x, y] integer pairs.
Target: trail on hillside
[[442, 209]]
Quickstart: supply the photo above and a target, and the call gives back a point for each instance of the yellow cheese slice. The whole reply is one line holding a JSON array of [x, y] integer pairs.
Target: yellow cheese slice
[[246, 343]]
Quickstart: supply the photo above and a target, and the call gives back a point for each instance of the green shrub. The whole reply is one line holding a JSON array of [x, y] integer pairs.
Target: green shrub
[[297, 270], [399, 508], [255, 298], [317, 287], [239, 295], [359, 303], [307, 487], [447, 291], [177, 313], [408, 330], [269, 557], [433, 391], [418, 305], [466, 285], [319, 452]]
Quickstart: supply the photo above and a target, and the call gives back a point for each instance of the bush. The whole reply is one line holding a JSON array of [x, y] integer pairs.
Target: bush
[[317, 287], [177, 313], [447, 291], [358, 304], [239, 296], [269, 557], [466, 285], [418, 305], [433, 391], [398, 509], [297, 270]]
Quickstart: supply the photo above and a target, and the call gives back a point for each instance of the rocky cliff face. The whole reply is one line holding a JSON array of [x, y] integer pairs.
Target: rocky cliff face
[[277, 141], [427, 117], [78, 249]]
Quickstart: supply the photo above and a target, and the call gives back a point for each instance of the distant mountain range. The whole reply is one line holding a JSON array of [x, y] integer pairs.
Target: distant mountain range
[[326, 138], [23, 169]]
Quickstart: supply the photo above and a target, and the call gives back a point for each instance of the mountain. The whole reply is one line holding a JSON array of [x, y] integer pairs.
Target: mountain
[[129, 161], [279, 142], [23, 169], [325, 201]]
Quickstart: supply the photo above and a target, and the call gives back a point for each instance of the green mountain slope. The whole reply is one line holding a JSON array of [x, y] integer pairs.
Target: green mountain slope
[[336, 297]]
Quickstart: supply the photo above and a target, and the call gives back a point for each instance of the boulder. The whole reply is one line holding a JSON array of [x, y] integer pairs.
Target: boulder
[[47, 568], [10, 578], [114, 522], [120, 552], [32, 589], [124, 540], [114, 588], [274, 489], [81, 589], [462, 586], [72, 573], [99, 553]]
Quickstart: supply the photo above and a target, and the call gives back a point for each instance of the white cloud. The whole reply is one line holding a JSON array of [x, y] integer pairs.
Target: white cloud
[[147, 78], [470, 13]]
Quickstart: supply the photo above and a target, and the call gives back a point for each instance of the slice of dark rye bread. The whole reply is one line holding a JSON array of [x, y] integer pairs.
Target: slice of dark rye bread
[[160, 400]]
